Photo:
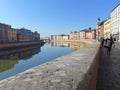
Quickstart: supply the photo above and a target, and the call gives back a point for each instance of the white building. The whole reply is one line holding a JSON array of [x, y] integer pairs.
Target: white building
[[115, 22], [82, 34]]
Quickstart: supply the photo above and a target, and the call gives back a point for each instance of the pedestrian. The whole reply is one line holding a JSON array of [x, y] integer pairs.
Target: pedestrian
[[110, 43], [106, 40], [114, 40], [102, 41], [106, 43]]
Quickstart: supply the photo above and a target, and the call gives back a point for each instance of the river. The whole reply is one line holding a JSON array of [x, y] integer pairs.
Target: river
[[18, 60]]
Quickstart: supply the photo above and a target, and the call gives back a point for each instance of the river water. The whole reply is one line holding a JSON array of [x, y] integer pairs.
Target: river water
[[18, 60]]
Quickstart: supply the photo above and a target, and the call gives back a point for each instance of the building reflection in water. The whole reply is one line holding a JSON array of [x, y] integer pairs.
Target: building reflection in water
[[72, 45], [8, 58]]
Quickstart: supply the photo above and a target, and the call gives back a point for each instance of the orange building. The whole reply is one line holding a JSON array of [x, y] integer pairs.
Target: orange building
[[100, 30]]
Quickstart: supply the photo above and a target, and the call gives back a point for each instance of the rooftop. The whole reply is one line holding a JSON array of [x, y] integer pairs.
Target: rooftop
[[115, 7]]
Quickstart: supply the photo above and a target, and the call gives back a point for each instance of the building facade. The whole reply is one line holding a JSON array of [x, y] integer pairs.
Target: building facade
[[9, 34], [88, 34], [82, 34], [12, 35], [101, 27], [24, 34], [36, 35], [107, 28], [94, 34], [65, 37], [60, 37], [75, 35], [53, 37], [4, 29], [27, 35], [100, 30], [115, 22]]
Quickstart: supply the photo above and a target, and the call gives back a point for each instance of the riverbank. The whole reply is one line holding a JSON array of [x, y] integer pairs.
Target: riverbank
[[4, 46], [88, 41], [75, 71]]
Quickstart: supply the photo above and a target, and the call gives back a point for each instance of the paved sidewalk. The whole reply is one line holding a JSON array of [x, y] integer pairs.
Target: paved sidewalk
[[109, 70]]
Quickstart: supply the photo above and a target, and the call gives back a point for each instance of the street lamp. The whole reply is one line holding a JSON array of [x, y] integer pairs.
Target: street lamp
[[118, 31], [98, 22], [118, 36], [98, 34]]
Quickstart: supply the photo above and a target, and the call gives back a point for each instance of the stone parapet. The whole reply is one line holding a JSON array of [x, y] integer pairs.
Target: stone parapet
[[74, 71], [10, 45]]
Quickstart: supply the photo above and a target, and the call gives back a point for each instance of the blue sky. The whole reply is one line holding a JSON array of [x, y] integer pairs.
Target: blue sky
[[50, 17]]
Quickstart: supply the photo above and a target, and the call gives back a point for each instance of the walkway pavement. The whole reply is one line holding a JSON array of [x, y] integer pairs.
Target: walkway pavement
[[109, 69]]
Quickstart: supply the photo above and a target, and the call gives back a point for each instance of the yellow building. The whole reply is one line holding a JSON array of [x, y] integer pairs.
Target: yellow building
[[59, 37], [107, 28], [89, 34], [75, 35], [94, 34], [12, 34], [65, 37]]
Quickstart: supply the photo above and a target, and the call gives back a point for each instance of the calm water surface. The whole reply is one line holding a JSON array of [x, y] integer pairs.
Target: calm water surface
[[18, 60]]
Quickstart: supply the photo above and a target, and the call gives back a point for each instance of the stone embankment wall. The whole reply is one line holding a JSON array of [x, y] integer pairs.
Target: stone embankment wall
[[19, 44], [75, 71]]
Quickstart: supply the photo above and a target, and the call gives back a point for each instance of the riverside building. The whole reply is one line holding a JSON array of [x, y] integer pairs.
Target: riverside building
[[4, 32], [107, 28], [115, 22]]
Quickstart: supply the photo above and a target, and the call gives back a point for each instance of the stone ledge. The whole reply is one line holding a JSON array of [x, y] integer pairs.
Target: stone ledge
[[74, 71]]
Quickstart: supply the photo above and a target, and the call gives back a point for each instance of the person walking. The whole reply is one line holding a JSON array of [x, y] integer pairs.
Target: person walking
[[110, 43], [102, 41]]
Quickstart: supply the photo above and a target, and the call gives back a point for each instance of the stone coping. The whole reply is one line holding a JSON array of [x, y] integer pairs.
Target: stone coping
[[69, 72]]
